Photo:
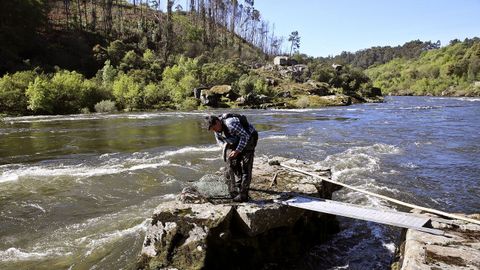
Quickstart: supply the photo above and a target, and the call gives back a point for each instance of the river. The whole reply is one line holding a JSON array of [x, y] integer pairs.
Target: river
[[77, 191]]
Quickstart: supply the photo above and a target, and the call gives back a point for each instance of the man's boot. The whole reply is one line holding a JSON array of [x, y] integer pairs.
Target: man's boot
[[243, 195]]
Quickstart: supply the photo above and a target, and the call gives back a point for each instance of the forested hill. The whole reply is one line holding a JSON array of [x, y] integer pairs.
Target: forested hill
[[382, 54], [64, 56], [61, 33], [453, 70]]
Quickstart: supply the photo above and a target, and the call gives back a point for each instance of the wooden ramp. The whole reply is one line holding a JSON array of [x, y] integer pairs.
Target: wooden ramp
[[398, 219]]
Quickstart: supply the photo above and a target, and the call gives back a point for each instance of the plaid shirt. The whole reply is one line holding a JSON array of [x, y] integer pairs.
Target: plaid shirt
[[237, 133]]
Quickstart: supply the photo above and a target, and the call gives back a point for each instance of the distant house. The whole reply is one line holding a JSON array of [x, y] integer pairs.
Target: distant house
[[284, 61], [280, 60], [337, 67]]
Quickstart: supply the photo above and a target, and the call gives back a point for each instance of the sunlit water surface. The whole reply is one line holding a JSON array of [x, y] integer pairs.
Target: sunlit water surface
[[76, 192]]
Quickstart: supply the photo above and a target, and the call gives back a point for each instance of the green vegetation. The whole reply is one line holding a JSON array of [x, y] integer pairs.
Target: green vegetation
[[63, 57], [97, 56], [380, 55], [451, 70], [105, 106]]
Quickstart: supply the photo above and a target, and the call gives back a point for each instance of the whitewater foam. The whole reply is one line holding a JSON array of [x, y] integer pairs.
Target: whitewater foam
[[389, 246], [16, 254], [95, 241], [190, 149], [275, 137], [109, 164], [37, 206], [148, 166], [409, 165]]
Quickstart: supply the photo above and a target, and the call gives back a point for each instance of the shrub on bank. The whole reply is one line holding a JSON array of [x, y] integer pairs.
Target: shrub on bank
[[66, 92], [189, 104], [222, 73], [128, 92], [12, 92], [302, 102], [179, 80], [105, 106]]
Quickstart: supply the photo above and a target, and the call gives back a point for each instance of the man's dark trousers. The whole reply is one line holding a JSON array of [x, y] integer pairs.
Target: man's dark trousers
[[239, 170]]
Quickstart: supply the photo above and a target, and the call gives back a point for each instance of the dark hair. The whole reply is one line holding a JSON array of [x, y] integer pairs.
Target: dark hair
[[210, 121]]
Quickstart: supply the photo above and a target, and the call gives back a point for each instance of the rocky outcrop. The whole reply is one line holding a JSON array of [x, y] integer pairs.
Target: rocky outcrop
[[212, 97], [319, 88], [459, 248], [252, 100], [219, 234]]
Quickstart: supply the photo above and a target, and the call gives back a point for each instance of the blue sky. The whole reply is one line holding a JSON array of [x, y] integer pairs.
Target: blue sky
[[330, 27]]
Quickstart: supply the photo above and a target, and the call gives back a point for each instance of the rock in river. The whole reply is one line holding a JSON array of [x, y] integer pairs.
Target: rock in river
[[219, 234]]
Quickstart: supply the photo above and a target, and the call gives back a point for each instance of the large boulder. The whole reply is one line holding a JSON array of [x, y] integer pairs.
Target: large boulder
[[259, 218], [246, 236], [179, 232], [224, 235], [211, 97], [197, 92], [318, 88], [252, 99], [337, 100]]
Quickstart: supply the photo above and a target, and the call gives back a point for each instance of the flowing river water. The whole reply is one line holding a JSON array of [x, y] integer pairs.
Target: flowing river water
[[76, 192]]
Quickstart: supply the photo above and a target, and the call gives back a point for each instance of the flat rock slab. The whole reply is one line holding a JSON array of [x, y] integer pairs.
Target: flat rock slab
[[198, 232], [459, 248], [264, 188], [259, 218]]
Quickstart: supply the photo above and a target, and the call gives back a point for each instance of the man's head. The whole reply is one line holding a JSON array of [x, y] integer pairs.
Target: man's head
[[213, 123]]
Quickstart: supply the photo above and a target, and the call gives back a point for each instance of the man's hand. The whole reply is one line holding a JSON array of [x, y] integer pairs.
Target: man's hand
[[233, 154]]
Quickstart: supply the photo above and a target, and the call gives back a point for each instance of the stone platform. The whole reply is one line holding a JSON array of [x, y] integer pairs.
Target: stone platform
[[197, 232]]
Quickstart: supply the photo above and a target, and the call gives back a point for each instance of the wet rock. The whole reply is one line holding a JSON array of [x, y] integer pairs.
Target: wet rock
[[276, 105], [211, 97], [319, 91], [198, 91], [191, 195], [337, 100]]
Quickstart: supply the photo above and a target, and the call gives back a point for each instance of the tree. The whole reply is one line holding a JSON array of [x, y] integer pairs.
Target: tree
[[169, 31], [20, 21], [128, 92], [294, 40], [12, 92], [65, 92]]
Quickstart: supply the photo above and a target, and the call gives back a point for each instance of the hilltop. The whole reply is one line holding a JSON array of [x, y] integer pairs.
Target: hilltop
[[453, 70], [420, 68]]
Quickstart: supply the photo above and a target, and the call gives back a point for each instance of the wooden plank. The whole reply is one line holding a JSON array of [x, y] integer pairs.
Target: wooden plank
[[398, 219], [429, 210]]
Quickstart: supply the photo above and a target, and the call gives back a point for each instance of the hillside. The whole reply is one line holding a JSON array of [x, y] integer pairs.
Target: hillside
[[100, 56], [453, 70], [382, 54]]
